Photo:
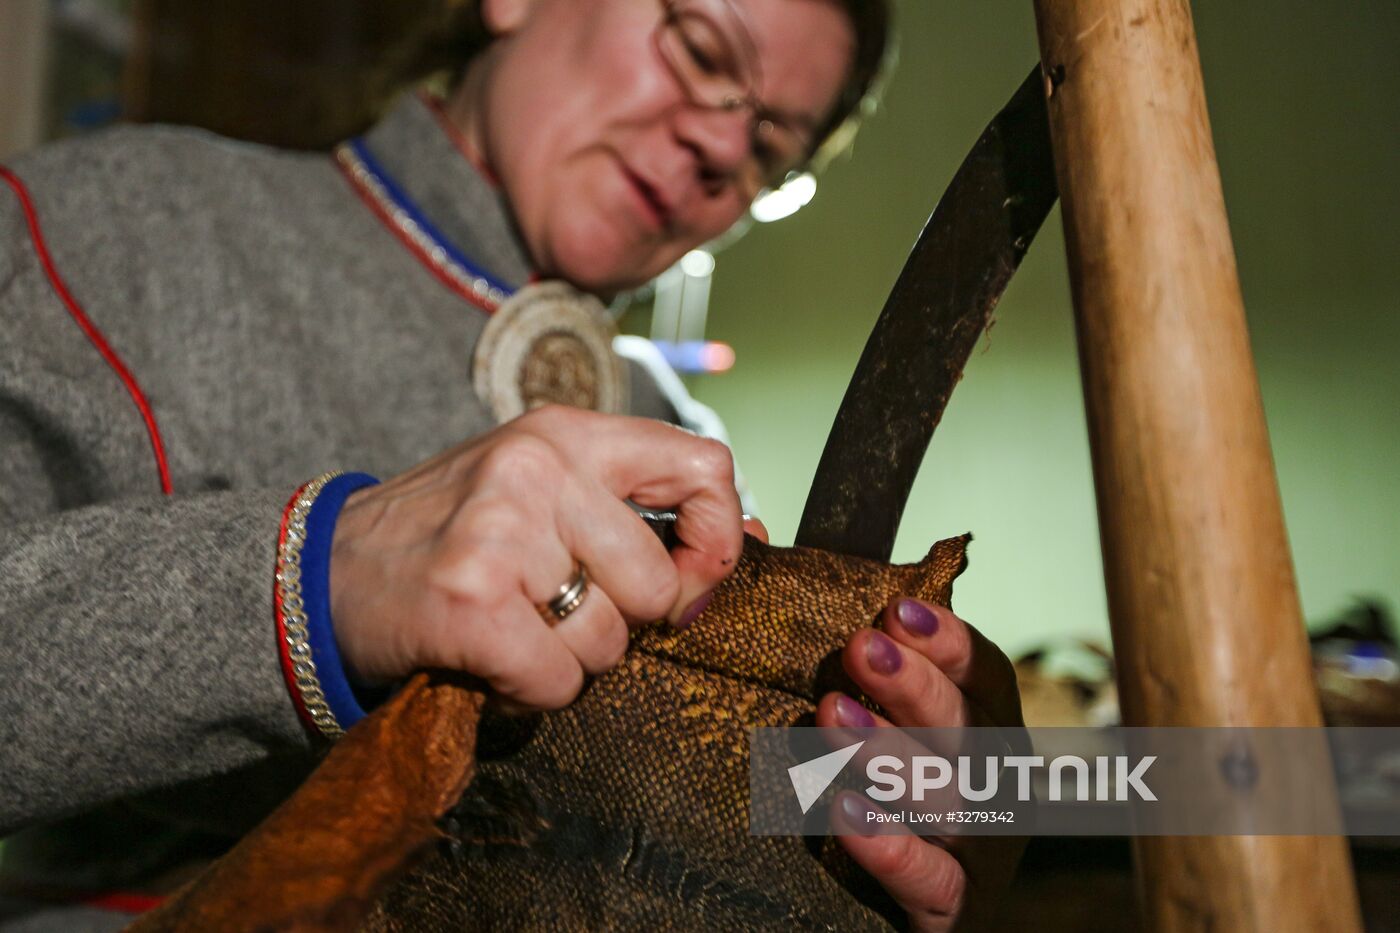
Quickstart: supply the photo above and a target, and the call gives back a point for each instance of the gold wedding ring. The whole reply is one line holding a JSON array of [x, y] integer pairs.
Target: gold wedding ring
[[569, 598]]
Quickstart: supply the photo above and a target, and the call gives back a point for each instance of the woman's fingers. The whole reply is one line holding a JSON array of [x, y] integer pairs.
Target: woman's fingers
[[659, 465], [595, 632], [927, 880], [964, 655], [906, 684], [447, 564], [521, 656], [624, 557], [850, 721], [929, 668], [754, 526], [708, 525], [509, 638], [929, 876]]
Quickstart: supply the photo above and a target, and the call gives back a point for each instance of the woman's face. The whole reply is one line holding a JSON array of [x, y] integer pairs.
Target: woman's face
[[612, 170]]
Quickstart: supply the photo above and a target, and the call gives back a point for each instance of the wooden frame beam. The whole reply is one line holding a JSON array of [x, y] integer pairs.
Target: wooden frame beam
[[1207, 626]]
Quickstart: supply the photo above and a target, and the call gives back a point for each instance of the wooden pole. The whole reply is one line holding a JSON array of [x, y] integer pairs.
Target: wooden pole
[[1207, 627]]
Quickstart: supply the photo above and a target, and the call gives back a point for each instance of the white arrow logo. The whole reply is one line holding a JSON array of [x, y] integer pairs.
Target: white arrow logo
[[811, 778]]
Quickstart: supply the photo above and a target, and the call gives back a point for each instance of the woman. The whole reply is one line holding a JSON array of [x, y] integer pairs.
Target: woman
[[222, 323]]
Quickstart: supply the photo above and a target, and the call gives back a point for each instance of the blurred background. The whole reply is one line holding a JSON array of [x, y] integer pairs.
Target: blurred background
[[1303, 98], [1305, 103]]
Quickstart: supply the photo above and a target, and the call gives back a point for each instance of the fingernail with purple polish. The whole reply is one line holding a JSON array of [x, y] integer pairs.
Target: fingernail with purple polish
[[858, 813], [850, 713], [883, 654], [693, 611], [916, 617]]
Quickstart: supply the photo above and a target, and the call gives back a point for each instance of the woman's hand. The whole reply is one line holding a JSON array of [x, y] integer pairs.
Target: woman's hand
[[927, 669], [445, 565]]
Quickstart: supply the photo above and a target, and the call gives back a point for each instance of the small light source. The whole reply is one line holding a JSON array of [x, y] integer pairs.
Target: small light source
[[692, 357], [697, 264], [789, 198], [719, 357]]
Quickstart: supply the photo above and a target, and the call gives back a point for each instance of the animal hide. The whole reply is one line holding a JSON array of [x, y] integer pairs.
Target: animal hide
[[627, 810]]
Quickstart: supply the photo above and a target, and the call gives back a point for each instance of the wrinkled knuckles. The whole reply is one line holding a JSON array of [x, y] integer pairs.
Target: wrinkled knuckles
[[945, 888], [928, 879], [714, 460], [522, 461], [892, 856], [596, 632], [471, 581], [548, 420], [651, 600]]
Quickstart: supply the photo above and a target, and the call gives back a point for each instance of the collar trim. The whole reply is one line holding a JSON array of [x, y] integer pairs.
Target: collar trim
[[438, 109], [415, 231]]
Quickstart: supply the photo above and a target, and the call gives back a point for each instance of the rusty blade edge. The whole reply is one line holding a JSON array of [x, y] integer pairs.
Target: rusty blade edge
[[940, 305]]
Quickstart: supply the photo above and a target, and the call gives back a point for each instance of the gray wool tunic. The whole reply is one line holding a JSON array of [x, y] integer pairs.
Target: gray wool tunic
[[279, 330]]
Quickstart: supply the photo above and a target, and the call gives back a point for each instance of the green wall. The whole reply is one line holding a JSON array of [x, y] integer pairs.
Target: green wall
[[1304, 104]]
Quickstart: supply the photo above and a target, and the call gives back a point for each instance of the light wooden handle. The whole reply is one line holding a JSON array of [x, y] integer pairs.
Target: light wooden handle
[[1207, 628]]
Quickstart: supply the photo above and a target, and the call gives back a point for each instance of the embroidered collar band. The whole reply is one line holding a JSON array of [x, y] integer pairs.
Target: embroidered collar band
[[410, 172]]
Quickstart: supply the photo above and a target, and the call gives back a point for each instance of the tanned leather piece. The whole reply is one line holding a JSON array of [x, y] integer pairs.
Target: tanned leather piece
[[627, 810], [369, 810]]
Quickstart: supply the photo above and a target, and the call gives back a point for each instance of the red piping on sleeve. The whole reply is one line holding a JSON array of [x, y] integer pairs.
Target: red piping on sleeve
[[90, 329], [284, 654]]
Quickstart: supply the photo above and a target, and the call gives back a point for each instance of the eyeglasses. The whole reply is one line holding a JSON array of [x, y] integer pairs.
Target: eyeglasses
[[717, 66]]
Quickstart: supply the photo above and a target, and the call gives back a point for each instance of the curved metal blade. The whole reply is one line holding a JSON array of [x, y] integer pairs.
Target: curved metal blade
[[941, 303]]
